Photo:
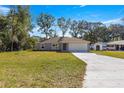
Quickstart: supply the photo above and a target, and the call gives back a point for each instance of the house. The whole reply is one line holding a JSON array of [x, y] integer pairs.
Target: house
[[115, 45], [100, 46], [63, 44]]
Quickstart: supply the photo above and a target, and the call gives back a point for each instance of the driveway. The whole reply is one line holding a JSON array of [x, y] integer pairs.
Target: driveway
[[102, 71]]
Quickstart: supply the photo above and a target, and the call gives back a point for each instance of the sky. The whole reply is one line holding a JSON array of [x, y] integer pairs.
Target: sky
[[107, 14]]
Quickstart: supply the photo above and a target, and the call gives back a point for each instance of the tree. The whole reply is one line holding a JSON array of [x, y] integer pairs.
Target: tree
[[52, 33], [90, 36], [15, 28], [82, 28], [13, 24], [24, 19], [63, 25], [74, 29], [31, 41], [20, 25], [45, 22], [102, 34], [92, 32], [117, 31], [4, 33]]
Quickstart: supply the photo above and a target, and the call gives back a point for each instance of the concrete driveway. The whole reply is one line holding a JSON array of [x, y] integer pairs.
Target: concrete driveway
[[102, 71]]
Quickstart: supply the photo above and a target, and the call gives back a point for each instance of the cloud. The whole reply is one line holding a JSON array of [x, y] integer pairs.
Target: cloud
[[79, 6], [82, 5], [4, 10], [114, 21]]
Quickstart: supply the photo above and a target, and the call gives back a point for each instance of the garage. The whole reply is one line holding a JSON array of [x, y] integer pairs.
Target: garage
[[78, 47]]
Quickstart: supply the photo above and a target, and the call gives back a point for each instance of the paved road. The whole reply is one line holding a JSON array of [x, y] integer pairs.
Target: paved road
[[102, 71]]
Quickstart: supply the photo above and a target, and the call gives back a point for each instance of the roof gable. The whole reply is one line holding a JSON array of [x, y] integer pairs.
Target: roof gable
[[65, 40], [121, 42]]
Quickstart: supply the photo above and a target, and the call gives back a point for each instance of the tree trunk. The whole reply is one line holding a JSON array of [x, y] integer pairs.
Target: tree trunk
[[12, 46], [63, 35], [46, 36]]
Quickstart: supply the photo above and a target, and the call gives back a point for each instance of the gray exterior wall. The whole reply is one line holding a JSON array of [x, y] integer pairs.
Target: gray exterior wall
[[47, 46], [61, 47], [55, 46]]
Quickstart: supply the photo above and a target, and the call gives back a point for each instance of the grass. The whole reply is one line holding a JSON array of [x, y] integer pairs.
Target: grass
[[118, 54], [40, 69]]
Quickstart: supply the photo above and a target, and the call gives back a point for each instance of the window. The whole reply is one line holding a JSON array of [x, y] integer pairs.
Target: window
[[54, 45], [42, 46]]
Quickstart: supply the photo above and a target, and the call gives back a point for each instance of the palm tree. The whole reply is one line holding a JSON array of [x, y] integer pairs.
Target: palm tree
[[13, 24], [24, 19]]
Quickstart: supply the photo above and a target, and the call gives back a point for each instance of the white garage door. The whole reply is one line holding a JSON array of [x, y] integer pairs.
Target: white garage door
[[78, 47]]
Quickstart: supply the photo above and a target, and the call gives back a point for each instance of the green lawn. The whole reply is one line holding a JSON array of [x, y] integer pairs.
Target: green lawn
[[118, 54], [40, 69]]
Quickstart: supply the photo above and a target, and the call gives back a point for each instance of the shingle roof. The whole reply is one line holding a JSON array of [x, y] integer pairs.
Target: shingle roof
[[100, 43], [121, 42], [65, 40]]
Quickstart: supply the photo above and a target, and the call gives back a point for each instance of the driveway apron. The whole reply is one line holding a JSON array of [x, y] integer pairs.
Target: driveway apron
[[102, 71]]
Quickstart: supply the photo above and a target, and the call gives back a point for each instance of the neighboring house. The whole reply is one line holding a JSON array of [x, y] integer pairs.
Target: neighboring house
[[100, 46], [115, 45], [63, 44]]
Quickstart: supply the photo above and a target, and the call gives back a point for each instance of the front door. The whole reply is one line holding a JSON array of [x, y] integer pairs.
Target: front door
[[117, 47], [97, 47], [64, 46]]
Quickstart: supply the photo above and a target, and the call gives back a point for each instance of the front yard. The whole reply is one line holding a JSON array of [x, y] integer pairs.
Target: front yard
[[118, 54], [40, 69]]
